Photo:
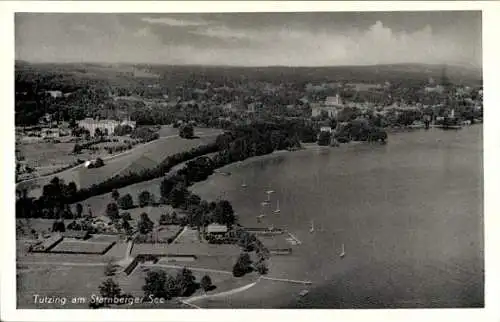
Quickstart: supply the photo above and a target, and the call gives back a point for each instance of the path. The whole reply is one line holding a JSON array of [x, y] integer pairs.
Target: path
[[208, 270], [62, 263], [286, 280], [226, 293], [189, 304], [107, 158], [294, 238], [180, 234]]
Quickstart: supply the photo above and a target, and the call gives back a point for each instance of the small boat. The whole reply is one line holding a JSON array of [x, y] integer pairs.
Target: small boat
[[277, 211], [312, 227], [303, 293], [342, 254], [261, 216], [269, 191], [243, 185], [264, 203], [268, 199]]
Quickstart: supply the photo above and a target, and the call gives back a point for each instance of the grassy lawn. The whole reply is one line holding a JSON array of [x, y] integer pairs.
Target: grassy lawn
[[188, 237], [117, 251], [61, 281], [222, 282], [166, 232], [40, 225], [45, 153]]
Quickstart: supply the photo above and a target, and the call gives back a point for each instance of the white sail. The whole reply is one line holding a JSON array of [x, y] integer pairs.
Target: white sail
[[342, 254], [277, 207]]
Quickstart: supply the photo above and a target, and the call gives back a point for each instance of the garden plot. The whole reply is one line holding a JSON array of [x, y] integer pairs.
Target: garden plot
[[81, 247]]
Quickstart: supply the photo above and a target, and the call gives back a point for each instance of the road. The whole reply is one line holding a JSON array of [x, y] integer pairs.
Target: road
[[107, 158]]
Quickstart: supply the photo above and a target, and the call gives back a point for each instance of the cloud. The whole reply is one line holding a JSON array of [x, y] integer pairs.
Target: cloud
[[203, 40], [173, 22], [223, 33]]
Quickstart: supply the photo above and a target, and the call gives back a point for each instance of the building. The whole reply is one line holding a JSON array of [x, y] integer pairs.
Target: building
[[326, 129], [48, 133], [437, 89], [251, 108], [55, 94], [216, 229], [331, 106], [333, 101], [104, 125]]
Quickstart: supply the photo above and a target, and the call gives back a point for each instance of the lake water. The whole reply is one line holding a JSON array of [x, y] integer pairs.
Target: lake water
[[410, 214]]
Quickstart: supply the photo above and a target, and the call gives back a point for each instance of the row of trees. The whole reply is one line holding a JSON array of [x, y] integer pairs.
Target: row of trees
[[239, 143]]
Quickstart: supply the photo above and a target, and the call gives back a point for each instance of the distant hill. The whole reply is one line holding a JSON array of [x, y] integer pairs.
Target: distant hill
[[170, 75]]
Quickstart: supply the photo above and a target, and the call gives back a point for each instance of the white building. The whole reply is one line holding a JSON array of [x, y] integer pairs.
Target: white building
[[104, 125], [331, 106]]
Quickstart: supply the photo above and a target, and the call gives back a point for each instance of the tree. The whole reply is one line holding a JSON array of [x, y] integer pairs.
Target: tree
[[99, 163], [58, 226], [110, 289], [243, 265], [324, 138], [178, 195], [126, 225], [145, 225], [126, 201], [115, 194], [224, 213], [98, 132], [160, 285], [122, 130], [206, 283], [112, 211], [110, 269], [144, 198], [126, 216], [261, 267], [166, 187], [185, 281], [186, 132], [79, 210]]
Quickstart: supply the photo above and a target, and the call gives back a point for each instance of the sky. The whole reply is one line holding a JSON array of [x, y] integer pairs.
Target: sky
[[252, 39]]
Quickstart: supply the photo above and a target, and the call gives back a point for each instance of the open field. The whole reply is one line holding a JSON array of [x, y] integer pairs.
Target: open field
[[117, 251], [197, 249], [57, 281], [253, 298], [155, 151], [38, 224], [222, 282], [75, 246], [189, 236], [168, 232], [46, 153]]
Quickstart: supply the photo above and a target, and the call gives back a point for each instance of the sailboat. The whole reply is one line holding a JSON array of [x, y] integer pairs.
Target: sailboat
[[342, 254], [277, 211], [312, 227], [266, 202]]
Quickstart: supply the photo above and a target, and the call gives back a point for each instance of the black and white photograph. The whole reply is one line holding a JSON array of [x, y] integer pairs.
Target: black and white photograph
[[249, 160]]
